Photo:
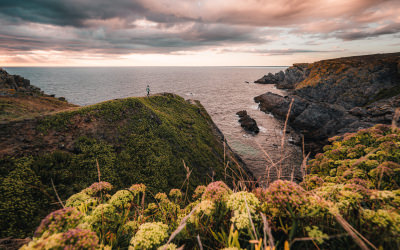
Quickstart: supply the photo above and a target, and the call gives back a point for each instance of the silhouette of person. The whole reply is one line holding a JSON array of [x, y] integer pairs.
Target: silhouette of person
[[148, 90]]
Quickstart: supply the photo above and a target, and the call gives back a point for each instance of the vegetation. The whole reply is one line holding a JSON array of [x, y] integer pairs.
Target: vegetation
[[350, 200], [25, 106], [158, 141]]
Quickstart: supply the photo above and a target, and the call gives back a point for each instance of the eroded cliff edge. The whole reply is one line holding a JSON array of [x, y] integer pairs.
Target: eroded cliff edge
[[336, 96]]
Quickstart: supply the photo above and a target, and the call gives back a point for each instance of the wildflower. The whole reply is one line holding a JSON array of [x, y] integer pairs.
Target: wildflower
[[206, 207], [237, 201], [84, 225], [383, 219], [216, 191], [198, 192], [361, 182], [130, 228], [385, 199], [175, 194], [150, 235], [335, 138], [152, 208], [316, 234], [241, 220], [80, 198], [348, 199], [79, 239], [121, 199], [285, 192], [314, 208], [259, 193], [59, 221], [161, 196], [72, 239], [100, 187], [51, 242], [104, 216], [170, 246], [311, 182], [138, 188]]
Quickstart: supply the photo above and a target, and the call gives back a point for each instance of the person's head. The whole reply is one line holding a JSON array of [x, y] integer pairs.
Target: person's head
[[148, 86]]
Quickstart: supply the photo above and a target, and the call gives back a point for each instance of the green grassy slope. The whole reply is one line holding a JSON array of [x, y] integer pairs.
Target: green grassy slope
[[134, 140]]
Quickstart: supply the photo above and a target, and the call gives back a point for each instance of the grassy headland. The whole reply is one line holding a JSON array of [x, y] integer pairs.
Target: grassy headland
[[134, 140]]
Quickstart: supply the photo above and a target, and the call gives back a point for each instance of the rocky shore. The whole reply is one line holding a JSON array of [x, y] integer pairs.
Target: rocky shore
[[336, 96]]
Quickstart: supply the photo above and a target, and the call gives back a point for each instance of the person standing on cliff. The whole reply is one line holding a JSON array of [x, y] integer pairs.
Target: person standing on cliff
[[148, 90]]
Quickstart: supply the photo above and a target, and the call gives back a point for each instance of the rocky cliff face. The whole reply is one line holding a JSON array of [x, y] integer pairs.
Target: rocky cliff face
[[336, 96], [20, 100], [289, 78], [13, 84]]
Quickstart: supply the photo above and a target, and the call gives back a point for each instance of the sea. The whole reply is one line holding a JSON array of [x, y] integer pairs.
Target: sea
[[223, 91]]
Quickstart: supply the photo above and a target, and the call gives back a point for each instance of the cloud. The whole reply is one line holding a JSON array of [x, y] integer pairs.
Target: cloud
[[392, 28], [170, 26], [137, 39], [276, 52]]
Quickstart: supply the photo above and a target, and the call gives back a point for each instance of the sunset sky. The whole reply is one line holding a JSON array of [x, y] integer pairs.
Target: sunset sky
[[193, 32]]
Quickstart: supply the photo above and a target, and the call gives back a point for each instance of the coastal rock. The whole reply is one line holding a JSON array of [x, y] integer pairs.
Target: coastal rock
[[241, 113], [289, 78], [336, 96], [248, 123], [279, 105], [12, 84], [19, 99]]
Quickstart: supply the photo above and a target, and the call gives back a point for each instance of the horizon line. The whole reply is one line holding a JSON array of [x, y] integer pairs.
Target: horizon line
[[163, 66]]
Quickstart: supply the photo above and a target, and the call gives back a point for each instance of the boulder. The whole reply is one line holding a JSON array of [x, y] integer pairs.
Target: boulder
[[247, 123]]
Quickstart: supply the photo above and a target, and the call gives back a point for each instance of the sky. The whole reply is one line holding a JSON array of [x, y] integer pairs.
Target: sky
[[193, 32]]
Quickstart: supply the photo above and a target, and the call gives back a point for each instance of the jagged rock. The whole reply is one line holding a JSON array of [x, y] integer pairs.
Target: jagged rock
[[289, 78], [279, 105], [271, 78], [248, 123], [19, 99], [241, 113], [336, 96], [10, 85]]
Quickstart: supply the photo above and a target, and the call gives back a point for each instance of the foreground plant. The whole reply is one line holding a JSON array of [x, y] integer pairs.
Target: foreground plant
[[342, 204]]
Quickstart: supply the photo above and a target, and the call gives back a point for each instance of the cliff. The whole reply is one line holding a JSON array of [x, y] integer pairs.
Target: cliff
[[19, 99], [134, 140], [336, 96]]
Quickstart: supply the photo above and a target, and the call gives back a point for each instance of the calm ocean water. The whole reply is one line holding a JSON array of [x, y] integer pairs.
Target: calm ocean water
[[222, 90]]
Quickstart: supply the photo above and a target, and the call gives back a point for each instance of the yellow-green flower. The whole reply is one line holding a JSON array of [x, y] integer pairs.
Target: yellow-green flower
[[121, 199], [149, 236]]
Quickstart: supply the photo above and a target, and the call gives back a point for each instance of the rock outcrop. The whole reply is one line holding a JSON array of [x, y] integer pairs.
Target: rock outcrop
[[19, 99], [11, 85], [336, 96], [247, 123], [289, 78]]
